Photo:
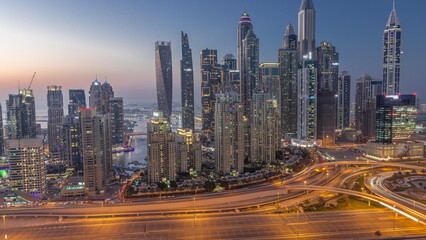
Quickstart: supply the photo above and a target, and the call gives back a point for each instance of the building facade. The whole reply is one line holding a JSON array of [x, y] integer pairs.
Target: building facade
[[287, 58], [326, 124], [55, 106], [164, 77], [265, 126], [307, 101], [77, 100], [21, 117], [99, 96], [117, 119], [96, 150], [162, 154], [343, 101], [72, 142], [27, 168], [187, 83], [211, 78], [392, 54], [229, 131], [188, 152], [328, 67]]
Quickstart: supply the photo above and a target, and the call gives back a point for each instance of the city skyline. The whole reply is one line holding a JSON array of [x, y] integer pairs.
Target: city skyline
[[135, 69]]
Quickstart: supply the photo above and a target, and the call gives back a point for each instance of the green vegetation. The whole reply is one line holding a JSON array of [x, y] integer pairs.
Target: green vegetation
[[349, 203]]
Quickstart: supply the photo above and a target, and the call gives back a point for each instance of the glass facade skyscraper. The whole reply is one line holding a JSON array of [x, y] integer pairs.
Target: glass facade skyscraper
[[164, 76], [187, 84], [392, 54], [55, 104]]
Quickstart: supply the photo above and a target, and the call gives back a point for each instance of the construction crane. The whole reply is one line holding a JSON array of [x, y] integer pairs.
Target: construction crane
[[32, 79]]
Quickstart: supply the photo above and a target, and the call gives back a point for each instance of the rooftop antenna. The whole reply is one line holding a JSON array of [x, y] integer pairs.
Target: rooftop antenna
[[393, 4]]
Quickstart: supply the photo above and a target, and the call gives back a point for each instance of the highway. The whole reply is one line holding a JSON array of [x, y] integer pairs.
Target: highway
[[317, 225]]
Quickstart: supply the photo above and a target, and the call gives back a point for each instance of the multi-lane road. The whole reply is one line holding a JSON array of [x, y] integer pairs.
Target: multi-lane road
[[317, 225]]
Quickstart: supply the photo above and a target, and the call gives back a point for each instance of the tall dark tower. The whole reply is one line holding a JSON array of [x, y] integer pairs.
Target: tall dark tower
[[164, 76], [306, 31], [392, 54], [55, 104], [287, 57], [1, 133], [187, 84]]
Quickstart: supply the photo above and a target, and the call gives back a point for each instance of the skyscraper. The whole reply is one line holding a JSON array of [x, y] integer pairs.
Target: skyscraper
[[229, 131], [231, 73], [395, 118], [97, 150], [392, 54], [188, 151], [307, 73], [250, 68], [326, 119], [265, 123], [161, 150], [77, 100], [164, 76], [55, 105], [269, 74], [27, 168], [71, 141], [343, 101], [99, 96], [187, 84], [367, 89], [306, 31], [287, 58], [307, 101], [117, 119], [21, 119], [210, 83], [328, 67]]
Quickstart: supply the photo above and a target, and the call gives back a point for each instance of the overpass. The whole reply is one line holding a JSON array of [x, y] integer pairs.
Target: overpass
[[371, 163]]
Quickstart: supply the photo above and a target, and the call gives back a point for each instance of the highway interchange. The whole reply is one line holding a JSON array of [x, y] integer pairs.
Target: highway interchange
[[235, 214]]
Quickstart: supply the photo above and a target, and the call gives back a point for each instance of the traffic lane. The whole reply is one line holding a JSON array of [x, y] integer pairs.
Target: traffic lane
[[318, 225]]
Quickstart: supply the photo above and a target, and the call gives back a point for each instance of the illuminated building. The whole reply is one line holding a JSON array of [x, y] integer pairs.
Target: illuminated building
[[99, 96], [367, 89], [21, 118], [161, 150], [326, 124], [71, 141], [306, 31], [96, 150], [230, 72], [244, 27], [395, 118], [392, 54], [117, 119], [187, 84], [307, 101], [77, 100], [164, 77], [328, 67], [210, 83], [343, 101], [27, 169], [265, 123], [188, 151], [269, 74], [287, 58], [229, 131], [55, 105]]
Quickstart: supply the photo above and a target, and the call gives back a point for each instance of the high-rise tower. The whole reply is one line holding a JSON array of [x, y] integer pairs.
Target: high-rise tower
[[164, 76], [392, 54], [77, 100], [287, 58], [187, 84], [55, 104], [328, 66], [21, 118], [306, 32], [99, 96], [210, 83]]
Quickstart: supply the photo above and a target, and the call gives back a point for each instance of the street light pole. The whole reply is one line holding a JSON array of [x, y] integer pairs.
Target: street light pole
[[4, 227]]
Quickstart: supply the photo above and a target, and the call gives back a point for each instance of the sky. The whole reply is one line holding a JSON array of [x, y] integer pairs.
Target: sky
[[70, 43]]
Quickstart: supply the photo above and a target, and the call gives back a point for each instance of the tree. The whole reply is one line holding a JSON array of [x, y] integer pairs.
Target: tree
[[173, 184], [209, 186], [162, 185], [224, 184], [378, 233]]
